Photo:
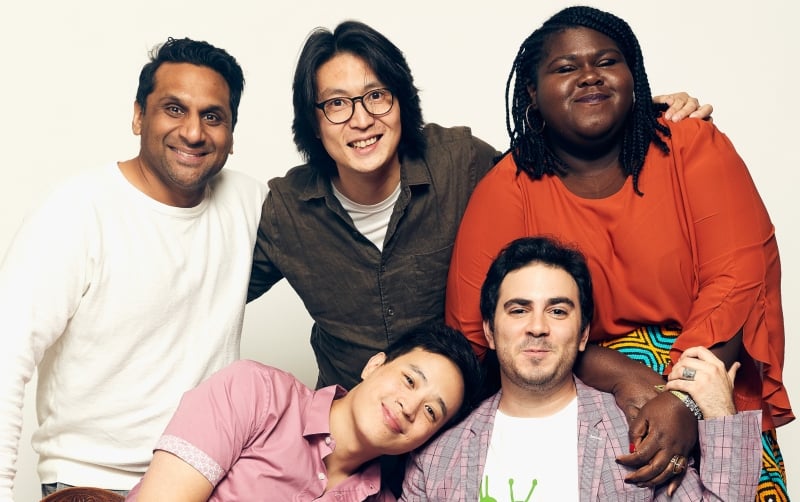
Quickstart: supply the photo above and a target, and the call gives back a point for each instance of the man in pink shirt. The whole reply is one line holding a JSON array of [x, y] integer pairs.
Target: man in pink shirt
[[253, 432]]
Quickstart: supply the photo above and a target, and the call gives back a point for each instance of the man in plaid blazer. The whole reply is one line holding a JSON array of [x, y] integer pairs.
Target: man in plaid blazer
[[523, 442]]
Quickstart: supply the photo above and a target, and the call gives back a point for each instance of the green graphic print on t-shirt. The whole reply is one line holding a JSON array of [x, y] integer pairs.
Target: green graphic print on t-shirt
[[485, 497]]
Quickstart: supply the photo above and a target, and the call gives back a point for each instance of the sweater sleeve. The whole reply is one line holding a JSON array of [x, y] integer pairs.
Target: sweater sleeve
[[494, 217], [42, 278]]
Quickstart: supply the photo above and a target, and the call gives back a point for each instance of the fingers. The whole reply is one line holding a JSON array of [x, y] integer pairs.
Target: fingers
[[664, 429], [733, 370], [658, 471], [704, 112], [704, 377], [674, 483], [681, 105]]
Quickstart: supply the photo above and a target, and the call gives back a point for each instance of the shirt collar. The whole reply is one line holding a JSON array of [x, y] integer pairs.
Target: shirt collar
[[318, 410], [412, 172]]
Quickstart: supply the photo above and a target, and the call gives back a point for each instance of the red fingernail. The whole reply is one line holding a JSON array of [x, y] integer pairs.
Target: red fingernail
[[632, 448]]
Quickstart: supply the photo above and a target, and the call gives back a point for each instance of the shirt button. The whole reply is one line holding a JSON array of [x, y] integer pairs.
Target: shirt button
[[327, 440], [390, 311], [321, 476]]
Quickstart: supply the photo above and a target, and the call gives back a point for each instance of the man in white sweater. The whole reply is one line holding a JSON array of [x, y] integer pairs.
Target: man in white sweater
[[127, 286]]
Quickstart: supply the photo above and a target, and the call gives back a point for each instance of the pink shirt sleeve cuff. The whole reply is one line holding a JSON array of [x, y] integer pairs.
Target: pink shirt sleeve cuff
[[193, 456]]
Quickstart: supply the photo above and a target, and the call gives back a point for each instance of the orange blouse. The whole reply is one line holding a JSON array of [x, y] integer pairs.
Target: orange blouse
[[698, 250]]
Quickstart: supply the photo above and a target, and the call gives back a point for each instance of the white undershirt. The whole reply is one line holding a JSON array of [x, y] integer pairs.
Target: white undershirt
[[533, 459], [371, 220]]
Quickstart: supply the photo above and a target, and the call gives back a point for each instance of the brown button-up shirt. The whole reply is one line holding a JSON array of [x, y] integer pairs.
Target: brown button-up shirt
[[360, 298]]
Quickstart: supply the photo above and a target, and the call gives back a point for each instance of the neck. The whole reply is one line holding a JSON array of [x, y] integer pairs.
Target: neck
[[149, 184], [592, 173], [367, 188], [536, 401], [349, 454]]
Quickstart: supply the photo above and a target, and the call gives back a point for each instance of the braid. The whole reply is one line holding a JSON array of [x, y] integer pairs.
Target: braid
[[528, 146]]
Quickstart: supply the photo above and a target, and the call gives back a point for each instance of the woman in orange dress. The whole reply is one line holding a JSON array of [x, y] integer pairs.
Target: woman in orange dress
[[680, 245]]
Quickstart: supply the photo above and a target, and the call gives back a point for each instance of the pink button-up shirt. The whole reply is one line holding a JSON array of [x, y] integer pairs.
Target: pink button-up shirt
[[257, 433]]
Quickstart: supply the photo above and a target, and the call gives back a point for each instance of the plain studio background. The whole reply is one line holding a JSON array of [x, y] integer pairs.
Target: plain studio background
[[70, 72]]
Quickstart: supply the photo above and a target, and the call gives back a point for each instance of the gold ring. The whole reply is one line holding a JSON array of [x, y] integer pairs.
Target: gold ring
[[678, 463]]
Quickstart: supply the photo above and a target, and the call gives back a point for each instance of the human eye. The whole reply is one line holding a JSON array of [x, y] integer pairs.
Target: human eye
[[212, 118], [516, 310], [377, 95], [559, 312], [337, 104], [607, 62], [173, 110], [563, 65], [409, 380], [431, 412]]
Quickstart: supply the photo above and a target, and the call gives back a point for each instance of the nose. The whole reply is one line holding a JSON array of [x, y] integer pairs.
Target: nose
[[538, 325], [409, 406], [192, 129], [361, 117], [590, 76]]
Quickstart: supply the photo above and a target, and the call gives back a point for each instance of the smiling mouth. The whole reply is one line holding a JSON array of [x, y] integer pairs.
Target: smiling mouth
[[188, 155], [592, 98], [364, 142], [391, 421]]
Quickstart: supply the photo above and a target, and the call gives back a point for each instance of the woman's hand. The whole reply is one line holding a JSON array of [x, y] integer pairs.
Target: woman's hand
[[661, 429], [681, 105]]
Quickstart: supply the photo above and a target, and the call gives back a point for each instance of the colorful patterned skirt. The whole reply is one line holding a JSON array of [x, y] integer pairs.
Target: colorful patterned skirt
[[650, 345]]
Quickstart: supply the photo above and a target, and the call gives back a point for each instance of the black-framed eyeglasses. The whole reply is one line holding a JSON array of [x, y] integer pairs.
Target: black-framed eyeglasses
[[339, 110]]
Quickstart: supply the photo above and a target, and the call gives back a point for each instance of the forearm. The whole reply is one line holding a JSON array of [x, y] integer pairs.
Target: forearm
[[606, 369], [728, 352]]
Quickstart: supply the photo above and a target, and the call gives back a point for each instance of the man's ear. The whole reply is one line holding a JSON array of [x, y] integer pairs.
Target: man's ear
[[374, 362], [584, 339], [136, 125], [489, 334]]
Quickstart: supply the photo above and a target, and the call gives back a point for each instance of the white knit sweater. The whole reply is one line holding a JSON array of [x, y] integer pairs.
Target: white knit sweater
[[123, 304]]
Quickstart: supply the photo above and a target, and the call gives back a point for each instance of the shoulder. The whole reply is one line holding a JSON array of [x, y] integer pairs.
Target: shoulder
[[501, 176], [455, 137], [296, 179], [73, 201], [690, 130], [239, 183], [249, 373], [479, 420], [591, 399]]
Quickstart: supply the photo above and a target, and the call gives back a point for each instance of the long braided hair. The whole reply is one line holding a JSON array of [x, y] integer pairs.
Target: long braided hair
[[528, 144]]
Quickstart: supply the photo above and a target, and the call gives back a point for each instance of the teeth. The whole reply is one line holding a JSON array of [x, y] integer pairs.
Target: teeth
[[365, 143]]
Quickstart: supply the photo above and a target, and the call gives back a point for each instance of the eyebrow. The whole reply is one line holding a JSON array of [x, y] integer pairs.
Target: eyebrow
[[599, 52], [416, 369], [326, 94], [550, 301]]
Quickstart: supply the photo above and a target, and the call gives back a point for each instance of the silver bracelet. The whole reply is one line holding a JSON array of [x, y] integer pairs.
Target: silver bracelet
[[687, 400]]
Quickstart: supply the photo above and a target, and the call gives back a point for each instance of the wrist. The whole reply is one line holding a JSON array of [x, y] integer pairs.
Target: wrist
[[686, 399]]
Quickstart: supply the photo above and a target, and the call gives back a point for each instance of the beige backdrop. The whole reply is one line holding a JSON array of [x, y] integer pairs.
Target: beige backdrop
[[69, 74]]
